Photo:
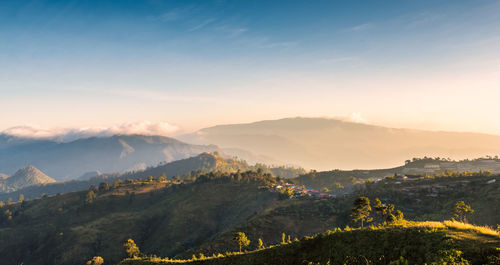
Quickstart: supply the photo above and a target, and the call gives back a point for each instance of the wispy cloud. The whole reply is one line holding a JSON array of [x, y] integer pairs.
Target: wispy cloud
[[424, 18], [339, 59], [202, 24], [262, 42], [175, 14], [231, 31], [360, 27], [159, 95]]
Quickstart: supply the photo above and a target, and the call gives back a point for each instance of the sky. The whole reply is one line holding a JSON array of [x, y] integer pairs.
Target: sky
[[185, 65]]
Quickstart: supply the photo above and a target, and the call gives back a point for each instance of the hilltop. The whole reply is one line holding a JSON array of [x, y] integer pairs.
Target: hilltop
[[322, 143], [25, 177], [406, 243]]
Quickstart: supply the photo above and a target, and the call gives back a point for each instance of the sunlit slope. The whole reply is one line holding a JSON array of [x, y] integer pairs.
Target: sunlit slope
[[417, 243]]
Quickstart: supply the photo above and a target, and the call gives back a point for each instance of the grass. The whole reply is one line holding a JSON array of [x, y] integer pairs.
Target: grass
[[485, 230], [419, 242]]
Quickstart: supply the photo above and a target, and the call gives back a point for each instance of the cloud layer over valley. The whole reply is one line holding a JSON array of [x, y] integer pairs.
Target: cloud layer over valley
[[71, 134]]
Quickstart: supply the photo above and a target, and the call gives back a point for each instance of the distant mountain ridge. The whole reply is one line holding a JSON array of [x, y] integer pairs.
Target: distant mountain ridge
[[73, 159], [325, 144], [25, 177]]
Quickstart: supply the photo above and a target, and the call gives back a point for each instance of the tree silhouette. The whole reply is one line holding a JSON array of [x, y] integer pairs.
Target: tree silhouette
[[361, 210], [241, 239]]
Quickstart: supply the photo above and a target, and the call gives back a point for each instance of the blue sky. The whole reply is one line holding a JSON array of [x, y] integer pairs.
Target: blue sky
[[419, 64]]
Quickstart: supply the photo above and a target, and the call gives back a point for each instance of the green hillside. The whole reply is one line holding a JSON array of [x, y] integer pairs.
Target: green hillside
[[181, 218], [187, 169], [415, 243]]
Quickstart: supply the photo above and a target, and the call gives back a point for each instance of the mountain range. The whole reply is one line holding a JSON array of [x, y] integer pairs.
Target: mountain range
[[325, 144], [71, 160], [312, 143]]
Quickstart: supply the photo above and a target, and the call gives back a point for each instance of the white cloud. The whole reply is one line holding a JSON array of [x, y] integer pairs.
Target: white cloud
[[71, 134], [357, 117]]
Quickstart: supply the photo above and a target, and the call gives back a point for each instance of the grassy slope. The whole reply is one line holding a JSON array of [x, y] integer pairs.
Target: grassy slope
[[418, 242], [164, 220]]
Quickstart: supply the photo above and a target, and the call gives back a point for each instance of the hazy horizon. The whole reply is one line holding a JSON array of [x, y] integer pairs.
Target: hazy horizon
[[430, 65], [156, 129]]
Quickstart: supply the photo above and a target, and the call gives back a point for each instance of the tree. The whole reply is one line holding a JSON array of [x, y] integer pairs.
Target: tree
[[261, 244], [20, 198], [461, 210], [379, 207], [361, 210], [131, 248], [95, 261], [283, 238], [9, 200], [90, 197], [1, 204], [104, 186], [241, 239], [116, 183], [338, 186], [286, 193], [399, 216]]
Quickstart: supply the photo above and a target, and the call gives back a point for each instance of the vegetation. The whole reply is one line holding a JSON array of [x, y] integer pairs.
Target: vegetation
[[361, 211], [241, 239], [461, 210], [131, 248], [406, 243], [343, 181], [179, 219], [69, 230], [96, 261], [186, 170]]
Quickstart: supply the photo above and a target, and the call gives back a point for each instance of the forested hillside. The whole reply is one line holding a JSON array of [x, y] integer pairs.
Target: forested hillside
[[165, 217], [187, 169], [180, 218]]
